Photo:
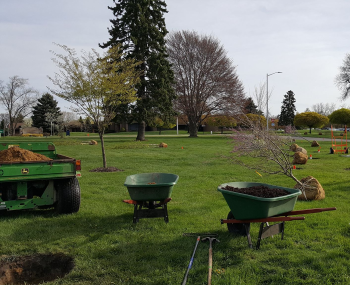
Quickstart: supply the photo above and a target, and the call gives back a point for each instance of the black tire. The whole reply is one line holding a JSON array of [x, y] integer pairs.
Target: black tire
[[68, 194], [238, 229]]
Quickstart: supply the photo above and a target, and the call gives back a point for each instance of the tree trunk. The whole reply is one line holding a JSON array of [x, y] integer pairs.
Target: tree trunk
[[193, 130], [103, 149], [310, 130], [141, 131]]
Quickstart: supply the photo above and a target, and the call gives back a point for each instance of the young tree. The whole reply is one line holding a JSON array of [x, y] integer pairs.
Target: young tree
[[342, 80], [311, 120], [288, 109], [160, 124], [95, 84], [46, 112], [17, 99], [221, 122], [139, 27], [341, 116], [206, 80]]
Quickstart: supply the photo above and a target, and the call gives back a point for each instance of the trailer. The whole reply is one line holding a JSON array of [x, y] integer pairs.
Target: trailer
[[40, 184]]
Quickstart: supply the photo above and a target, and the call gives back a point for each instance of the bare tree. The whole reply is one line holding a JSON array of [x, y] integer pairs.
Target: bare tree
[[342, 80], [324, 109], [65, 119], [17, 99], [206, 81]]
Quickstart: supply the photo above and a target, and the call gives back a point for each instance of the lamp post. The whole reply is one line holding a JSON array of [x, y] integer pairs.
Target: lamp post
[[267, 98]]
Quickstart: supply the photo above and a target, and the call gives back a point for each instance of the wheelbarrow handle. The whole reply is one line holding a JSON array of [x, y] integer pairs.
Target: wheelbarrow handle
[[307, 211]]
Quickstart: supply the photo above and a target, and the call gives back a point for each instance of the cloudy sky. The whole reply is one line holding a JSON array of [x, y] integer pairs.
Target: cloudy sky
[[306, 40]]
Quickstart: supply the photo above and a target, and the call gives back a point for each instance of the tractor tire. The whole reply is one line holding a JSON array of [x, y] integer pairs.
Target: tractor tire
[[238, 229], [68, 194]]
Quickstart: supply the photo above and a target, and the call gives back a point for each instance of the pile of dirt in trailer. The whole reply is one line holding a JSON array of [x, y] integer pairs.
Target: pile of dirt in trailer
[[18, 154]]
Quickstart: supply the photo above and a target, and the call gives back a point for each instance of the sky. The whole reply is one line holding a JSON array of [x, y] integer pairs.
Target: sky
[[305, 40]]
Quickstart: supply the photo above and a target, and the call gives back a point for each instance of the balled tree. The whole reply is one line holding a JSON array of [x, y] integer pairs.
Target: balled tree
[[206, 80], [288, 110], [46, 105], [139, 28]]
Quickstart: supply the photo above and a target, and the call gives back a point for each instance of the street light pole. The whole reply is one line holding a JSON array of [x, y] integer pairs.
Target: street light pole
[[267, 98]]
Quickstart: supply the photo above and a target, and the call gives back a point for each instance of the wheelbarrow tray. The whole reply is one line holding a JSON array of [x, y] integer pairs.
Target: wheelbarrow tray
[[245, 207], [150, 186]]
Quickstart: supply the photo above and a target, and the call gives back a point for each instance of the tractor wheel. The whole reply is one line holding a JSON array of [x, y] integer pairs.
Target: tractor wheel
[[238, 229], [68, 194]]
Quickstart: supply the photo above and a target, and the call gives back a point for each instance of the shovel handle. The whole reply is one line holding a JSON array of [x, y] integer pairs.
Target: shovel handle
[[210, 266], [191, 262]]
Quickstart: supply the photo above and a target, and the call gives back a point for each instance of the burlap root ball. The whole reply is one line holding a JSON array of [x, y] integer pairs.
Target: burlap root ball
[[300, 158], [301, 149], [315, 144], [312, 188], [294, 147]]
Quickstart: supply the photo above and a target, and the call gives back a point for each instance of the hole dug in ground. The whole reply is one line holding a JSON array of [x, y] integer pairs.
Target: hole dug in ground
[[34, 269]]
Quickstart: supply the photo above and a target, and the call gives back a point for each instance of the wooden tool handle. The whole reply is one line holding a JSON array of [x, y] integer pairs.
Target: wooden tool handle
[[210, 265]]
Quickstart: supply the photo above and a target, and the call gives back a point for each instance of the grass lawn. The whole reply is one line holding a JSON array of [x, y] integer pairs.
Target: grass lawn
[[109, 249]]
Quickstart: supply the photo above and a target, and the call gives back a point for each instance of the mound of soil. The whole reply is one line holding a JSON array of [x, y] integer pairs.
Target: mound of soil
[[259, 191], [34, 269], [105, 169], [18, 154]]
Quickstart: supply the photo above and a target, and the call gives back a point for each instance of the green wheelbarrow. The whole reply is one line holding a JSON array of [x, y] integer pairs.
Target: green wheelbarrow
[[149, 192]]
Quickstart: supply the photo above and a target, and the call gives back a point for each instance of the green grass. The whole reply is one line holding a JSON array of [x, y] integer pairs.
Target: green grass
[[109, 249]]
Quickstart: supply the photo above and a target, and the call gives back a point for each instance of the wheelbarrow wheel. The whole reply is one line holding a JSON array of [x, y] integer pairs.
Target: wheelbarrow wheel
[[238, 229]]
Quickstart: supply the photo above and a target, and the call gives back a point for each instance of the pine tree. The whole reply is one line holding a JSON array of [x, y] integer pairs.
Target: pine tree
[[288, 109], [139, 27], [46, 105], [251, 108]]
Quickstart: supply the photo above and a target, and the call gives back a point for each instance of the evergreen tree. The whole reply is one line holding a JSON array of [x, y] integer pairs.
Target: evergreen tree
[[139, 27], [287, 110], [251, 108], [46, 106]]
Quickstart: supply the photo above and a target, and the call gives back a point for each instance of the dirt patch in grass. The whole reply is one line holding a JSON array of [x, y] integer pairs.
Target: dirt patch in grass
[[34, 269], [105, 169], [259, 191]]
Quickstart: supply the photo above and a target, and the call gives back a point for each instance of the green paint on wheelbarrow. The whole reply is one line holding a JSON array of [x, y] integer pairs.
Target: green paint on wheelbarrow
[[150, 186], [245, 207]]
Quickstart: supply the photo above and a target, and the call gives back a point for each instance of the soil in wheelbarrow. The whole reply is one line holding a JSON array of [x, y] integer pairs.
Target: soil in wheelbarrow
[[259, 191]]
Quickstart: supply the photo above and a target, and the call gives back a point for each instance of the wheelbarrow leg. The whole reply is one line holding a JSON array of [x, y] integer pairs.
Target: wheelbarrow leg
[[137, 208], [269, 231], [247, 231], [165, 209]]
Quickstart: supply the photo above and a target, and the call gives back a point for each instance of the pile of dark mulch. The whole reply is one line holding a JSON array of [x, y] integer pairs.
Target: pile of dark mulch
[[259, 191], [105, 169]]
